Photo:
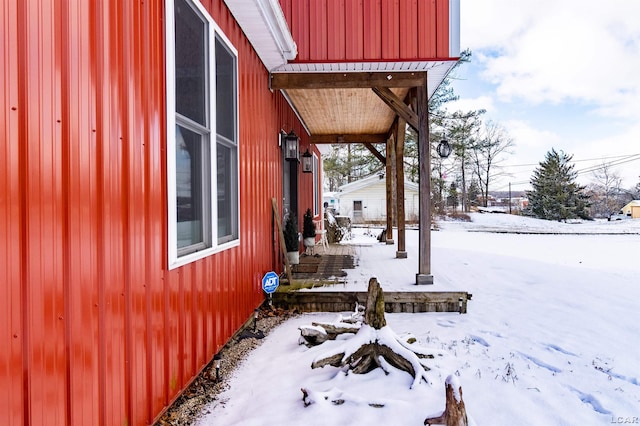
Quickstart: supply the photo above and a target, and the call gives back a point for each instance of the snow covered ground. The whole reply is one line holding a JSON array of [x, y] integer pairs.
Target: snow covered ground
[[552, 336]]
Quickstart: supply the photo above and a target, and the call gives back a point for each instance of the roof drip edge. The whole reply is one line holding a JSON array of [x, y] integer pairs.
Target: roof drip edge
[[264, 24]]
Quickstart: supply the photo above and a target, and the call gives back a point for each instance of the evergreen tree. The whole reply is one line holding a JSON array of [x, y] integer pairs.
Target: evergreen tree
[[473, 194], [349, 162], [555, 194], [452, 198]]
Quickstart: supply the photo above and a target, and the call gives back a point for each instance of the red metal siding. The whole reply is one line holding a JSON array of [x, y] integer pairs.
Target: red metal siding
[[12, 312], [427, 17], [369, 30], [391, 28], [372, 30], [408, 15], [336, 30], [94, 328], [354, 39], [442, 28]]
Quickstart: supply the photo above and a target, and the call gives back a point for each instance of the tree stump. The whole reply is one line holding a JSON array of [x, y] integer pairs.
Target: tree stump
[[374, 309], [377, 342], [454, 412]]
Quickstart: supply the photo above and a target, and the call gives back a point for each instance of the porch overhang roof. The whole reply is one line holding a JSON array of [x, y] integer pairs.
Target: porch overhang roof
[[335, 100]]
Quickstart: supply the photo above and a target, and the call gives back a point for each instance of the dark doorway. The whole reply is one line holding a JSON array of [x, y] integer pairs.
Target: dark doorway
[[289, 187]]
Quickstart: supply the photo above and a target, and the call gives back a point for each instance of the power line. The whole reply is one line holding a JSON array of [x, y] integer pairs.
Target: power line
[[629, 159], [579, 161], [621, 159]]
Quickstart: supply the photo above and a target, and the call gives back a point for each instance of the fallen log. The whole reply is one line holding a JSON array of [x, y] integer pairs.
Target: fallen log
[[335, 329], [313, 335], [318, 333]]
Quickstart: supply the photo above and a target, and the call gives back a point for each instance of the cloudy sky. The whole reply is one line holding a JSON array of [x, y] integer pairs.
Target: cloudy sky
[[561, 74]]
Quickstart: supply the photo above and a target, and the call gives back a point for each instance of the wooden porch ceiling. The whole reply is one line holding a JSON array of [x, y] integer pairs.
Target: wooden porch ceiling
[[347, 107]]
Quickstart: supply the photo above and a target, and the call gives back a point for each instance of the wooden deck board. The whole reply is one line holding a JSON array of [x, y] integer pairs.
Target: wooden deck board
[[345, 301]]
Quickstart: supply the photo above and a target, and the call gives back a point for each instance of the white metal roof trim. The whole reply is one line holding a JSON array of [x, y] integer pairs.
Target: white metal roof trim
[[265, 26]]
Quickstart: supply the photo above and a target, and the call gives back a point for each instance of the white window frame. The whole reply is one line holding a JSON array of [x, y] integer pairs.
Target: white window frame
[[316, 184], [214, 31]]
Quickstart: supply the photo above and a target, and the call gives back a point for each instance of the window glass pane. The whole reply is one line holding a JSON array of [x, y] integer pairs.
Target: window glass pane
[[189, 188], [190, 54], [226, 177], [225, 92]]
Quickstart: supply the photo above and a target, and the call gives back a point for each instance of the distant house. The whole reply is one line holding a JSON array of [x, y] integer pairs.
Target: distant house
[[329, 201], [503, 199], [365, 200], [632, 209]]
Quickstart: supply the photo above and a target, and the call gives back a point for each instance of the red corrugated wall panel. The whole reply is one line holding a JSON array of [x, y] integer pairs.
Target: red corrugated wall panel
[[408, 16], [354, 38], [370, 30], [336, 16], [96, 330], [391, 29], [427, 18], [12, 333], [442, 28], [42, 214], [318, 36]]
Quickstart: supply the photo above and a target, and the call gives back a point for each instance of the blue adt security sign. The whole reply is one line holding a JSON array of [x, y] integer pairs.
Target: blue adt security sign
[[270, 282]]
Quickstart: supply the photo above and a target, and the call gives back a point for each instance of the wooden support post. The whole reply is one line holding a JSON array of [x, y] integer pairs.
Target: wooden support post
[[389, 188], [283, 248], [424, 175], [401, 253]]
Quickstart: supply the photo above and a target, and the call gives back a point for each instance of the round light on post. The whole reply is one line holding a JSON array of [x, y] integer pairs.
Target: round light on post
[[307, 166], [444, 149], [291, 142]]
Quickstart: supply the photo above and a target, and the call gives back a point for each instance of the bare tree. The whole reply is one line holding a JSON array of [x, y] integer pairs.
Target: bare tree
[[462, 129], [605, 191], [486, 155]]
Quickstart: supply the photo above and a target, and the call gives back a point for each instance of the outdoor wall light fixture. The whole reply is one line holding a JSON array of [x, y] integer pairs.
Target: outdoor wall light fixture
[[216, 361], [307, 166], [444, 149], [291, 142]]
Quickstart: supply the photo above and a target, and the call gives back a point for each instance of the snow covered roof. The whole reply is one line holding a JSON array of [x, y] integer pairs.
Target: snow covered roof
[[631, 203], [369, 181]]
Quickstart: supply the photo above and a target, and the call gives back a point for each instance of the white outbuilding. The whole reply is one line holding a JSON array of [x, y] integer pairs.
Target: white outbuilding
[[365, 200]]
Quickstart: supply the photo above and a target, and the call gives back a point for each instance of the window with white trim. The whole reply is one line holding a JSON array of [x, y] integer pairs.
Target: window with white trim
[[202, 134]]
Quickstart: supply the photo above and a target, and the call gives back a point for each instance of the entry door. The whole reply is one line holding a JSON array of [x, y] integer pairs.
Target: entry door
[[289, 187], [357, 211]]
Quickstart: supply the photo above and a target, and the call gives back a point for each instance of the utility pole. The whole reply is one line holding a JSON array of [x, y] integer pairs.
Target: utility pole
[[509, 197]]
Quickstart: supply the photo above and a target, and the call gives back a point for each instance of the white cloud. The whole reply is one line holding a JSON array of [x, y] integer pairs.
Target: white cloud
[[585, 52], [472, 104], [530, 148]]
